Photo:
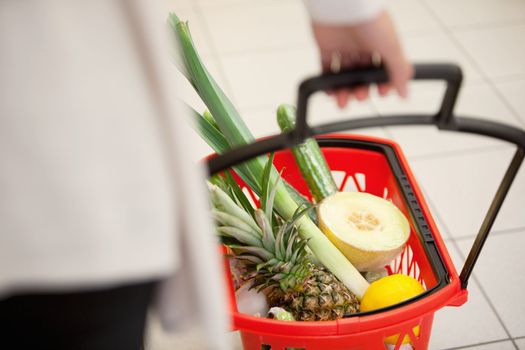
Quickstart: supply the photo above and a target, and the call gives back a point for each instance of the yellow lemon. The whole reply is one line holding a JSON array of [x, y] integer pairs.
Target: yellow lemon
[[388, 291]]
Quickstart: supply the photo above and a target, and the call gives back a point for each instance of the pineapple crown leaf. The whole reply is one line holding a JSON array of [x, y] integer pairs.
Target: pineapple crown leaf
[[265, 202], [298, 214], [223, 202], [238, 234], [268, 240], [268, 209], [292, 243], [238, 194], [218, 181], [279, 241], [258, 251], [268, 246], [226, 219]]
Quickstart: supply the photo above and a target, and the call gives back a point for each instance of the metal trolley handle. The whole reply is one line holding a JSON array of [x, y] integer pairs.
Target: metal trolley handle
[[444, 119]]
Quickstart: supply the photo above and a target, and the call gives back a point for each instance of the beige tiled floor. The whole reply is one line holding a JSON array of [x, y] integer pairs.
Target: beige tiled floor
[[260, 50]]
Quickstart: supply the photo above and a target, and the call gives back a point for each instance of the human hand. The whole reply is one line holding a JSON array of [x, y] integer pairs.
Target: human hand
[[361, 45]]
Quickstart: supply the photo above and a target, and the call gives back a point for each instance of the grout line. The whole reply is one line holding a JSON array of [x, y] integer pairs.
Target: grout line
[[508, 78], [506, 102], [478, 344], [518, 338], [492, 233]]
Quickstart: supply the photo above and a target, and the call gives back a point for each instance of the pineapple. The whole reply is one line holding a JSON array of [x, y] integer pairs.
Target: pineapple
[[275, 258]]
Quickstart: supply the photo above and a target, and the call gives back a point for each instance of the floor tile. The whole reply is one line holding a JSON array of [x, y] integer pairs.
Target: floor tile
[[262, 121], [497, 51], [461, 187], [475, 100], [178, 5], [261, 26], [482, 101], [464, 13], [441, 226], [424, 97], [449, 329], [190, 339], [499, 271], [187, 92], [268, 78], [514, 93], [439, 47], [411, 16], [521, 343], [323, 109], [502, 345], [158, 339], [206, 5]]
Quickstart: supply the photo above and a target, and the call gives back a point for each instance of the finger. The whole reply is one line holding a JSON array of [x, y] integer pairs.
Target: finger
[[383, 89], [365, 59], [326, 61], [332, 62], [400, 71], [327, 66], [343, 96], [349, 60], [361, 93]]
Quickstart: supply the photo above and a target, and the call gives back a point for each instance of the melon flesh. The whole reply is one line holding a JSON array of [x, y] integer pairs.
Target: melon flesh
[[369, 230]]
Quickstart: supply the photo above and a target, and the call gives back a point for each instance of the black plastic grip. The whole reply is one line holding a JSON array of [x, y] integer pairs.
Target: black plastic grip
[[449, 73]]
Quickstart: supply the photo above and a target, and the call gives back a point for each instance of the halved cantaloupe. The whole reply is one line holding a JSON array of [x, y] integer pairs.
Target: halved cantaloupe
[[370, 231]]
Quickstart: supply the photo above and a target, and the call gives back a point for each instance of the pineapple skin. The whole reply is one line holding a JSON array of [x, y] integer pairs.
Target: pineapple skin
[[321, 297]]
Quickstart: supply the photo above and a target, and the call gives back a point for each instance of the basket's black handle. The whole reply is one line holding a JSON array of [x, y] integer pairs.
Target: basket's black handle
[[444, 119], [449, 73]]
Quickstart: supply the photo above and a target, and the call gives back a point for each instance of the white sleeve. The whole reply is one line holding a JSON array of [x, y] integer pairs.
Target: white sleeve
[[343, 11]]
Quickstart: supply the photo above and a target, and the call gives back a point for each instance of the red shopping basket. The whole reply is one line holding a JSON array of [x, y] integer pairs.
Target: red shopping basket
[[376, 166]]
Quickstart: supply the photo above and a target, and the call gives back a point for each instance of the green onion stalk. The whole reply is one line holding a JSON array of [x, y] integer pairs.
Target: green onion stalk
[[229, 123]]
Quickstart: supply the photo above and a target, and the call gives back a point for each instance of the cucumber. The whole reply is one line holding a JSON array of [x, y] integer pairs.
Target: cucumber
[[309, 158]]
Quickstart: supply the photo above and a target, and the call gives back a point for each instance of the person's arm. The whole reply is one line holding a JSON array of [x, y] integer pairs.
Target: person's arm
[[357, 33]]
